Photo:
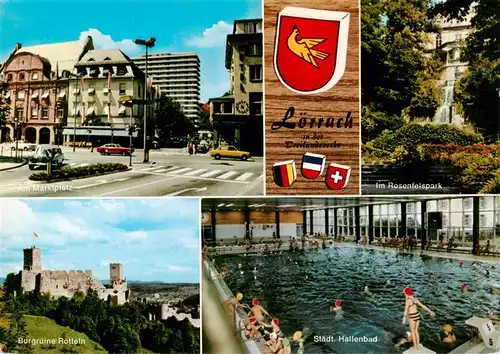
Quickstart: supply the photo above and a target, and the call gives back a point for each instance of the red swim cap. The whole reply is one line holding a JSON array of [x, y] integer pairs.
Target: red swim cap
[[276, 321], [408, 291], [252, 319], [255, 302], [338, 303], [463, 286], [461, 263]]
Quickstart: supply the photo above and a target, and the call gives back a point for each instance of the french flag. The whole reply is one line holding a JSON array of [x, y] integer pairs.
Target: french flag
[[312, 165]]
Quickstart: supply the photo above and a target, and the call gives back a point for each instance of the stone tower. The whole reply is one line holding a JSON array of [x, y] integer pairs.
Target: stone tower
[[32, 259], [115, 272]]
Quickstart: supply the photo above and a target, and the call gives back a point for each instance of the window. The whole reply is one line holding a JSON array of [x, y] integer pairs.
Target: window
[[467, 203], [60, 113], [20, 113], [232, 148], [439, 40], [34, 112], [123, 89], [45, 112], [443, 204], [34, 76], [255, 72], [9, 77], [254, 49], [467, 220], [251, 27], [256, 103], [21, 77], [20, 95]]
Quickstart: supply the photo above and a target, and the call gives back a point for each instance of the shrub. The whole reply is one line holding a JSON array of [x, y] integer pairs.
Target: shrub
[[437, 151], [414, 134], [67, 173], [373, 123], [493, 186]]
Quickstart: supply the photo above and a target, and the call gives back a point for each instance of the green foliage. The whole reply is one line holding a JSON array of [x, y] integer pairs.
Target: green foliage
[[119, 329], [4, 104], [78, 172], [411, 135], [493, 185], [17, 329], [477, 94], [170, 121], [398, 74], [373, 123]]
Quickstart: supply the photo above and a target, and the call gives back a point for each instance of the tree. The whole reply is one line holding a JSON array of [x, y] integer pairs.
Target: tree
[[170, 121], [204, 121], [398, 74], [4, 104], [10, 336], [476, 92]]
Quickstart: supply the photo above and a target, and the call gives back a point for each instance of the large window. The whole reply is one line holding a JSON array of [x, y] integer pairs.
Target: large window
[[386, 220], [319, 221]]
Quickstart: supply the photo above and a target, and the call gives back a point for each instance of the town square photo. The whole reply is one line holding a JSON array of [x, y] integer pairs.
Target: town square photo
[[149, 99], [97, 276]]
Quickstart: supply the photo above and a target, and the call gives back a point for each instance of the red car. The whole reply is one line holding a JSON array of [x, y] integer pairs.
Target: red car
[[114, 149]]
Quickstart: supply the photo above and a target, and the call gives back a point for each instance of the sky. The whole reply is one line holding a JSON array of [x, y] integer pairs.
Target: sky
[[199, 26], [154, 239]]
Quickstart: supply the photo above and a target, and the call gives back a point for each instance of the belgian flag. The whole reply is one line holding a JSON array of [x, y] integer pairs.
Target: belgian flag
[[284, 173]]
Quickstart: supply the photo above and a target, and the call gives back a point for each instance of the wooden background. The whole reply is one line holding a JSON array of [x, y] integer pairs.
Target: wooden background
[[336, 102]]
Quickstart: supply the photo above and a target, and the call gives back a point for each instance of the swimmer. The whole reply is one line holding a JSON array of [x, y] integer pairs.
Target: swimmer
[[449, 337], [232, 305], [461, 263], [401, 340], [223, 274], [337, 307], [252, 328], [465, 290], [367, 291], [239, 265], [413, 316], [255, 269], [494, 290], [495, 320], [388, 282], [275, 327], [298, 339], [275, 344], [433, 275], [257, 311]]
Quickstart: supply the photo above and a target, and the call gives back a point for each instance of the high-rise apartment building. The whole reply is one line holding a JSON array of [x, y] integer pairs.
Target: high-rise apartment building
[[178, 76]]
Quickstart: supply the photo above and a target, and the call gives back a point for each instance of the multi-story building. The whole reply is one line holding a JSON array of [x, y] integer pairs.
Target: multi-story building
[[449, 43], [37, 87], [237, 117], [178, 76], [98, 81]]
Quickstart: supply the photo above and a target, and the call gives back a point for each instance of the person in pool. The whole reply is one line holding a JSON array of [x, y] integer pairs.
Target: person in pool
[[275, 327], [223, 274], [337, 307], [232, 305], [402, 340], [252, 328], [449, 337], [275, 344], [298, 339], [257, 311], [412, 314]]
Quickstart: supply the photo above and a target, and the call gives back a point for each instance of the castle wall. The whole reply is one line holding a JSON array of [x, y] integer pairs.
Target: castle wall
[[65, 283], [28, 280]]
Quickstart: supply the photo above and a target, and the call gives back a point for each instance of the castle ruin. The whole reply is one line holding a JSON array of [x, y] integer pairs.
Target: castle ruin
[[66, 283]]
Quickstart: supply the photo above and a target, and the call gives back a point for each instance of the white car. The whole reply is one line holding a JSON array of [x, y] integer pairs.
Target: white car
[[23, 145]]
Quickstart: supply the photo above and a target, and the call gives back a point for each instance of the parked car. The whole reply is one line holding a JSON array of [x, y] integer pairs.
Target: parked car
[[23, 145], [113, 149], [229, 151], [45, 153]]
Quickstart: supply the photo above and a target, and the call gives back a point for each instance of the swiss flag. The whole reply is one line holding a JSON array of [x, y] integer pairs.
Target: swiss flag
[[337, 176]]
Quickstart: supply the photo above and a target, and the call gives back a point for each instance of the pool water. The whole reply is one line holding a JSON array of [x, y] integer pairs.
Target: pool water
[[298, 288]]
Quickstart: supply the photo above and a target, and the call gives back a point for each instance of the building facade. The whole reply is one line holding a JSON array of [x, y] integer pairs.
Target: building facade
[[38, 91], [178, 76], [449, 43], [237, 117], [66, 283], [97, 82]]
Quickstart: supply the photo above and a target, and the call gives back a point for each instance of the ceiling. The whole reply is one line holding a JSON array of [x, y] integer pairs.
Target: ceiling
[[298, 204]]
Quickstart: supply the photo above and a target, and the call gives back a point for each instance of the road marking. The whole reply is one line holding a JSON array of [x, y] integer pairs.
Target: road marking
[[98, 183], [227, 175], [183, 170], [187, 190], [196, 172], [162, 170], [134, 187], [191, 177], [173, 168], [244, 176], [153, 168], [210, 173]]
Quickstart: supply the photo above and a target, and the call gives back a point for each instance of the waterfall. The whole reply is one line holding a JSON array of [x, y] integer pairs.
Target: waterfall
[[443, 113]]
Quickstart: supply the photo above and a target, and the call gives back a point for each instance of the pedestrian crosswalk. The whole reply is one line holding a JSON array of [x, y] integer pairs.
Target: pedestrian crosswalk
[[200, 173]]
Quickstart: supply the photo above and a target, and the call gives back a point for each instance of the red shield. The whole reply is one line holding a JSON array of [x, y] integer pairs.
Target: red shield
[[310, 50], [337, 176]]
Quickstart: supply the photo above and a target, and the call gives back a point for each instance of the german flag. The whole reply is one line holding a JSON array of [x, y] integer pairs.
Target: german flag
[[284, 173]]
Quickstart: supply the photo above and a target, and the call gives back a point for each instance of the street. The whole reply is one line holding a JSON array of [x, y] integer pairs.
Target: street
[[170, 172]]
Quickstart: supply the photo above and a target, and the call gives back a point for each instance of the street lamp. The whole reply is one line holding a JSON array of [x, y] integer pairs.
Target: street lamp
[[149, 43], [16, 122], [75, 109]]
